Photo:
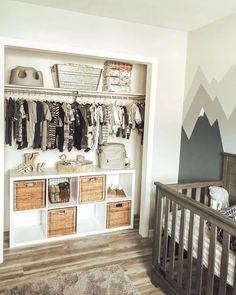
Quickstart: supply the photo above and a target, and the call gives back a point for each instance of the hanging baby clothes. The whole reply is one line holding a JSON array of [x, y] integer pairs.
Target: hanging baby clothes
[[68, 126], [79, 122], [32, 120], [60, 129], [40, 119], [50, 125], [24, 142], [44, 128], [51, 136], [105, 124], [9, 107], [19, 116], [134, 115], [140, 127]]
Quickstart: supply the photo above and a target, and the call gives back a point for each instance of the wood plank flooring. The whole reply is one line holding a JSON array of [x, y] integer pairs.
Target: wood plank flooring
[[125, 248]]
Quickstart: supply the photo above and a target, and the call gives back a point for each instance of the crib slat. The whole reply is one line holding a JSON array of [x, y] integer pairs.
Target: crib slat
[[181, 248], [189, 192], [198, 194], [224, 264], [190, 254], [211, 261], [158, 229], [172, 241], [165, 237], [200, 256], [234, 288]]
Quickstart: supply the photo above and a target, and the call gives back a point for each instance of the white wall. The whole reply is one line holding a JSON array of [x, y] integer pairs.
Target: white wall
[[211, 64], [29, 22]]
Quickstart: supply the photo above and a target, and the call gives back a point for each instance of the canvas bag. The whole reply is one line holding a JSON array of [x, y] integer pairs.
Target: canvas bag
[[112, 156]]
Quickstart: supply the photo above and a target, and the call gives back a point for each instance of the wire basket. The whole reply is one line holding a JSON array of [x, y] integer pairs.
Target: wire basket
[[59, 190]]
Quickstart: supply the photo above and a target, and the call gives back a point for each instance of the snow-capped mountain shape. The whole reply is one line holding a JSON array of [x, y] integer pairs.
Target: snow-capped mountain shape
[[225, 90], [200, 155], [212, 109]]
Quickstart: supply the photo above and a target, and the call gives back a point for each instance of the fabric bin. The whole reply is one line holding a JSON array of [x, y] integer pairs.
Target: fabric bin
[[118, 214], [76, 76], [61, 222], [92, 188], [29, 195]]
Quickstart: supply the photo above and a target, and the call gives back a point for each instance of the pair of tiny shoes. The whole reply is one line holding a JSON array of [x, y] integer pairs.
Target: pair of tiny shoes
[[120, 192], [111, 191], [115, 192]]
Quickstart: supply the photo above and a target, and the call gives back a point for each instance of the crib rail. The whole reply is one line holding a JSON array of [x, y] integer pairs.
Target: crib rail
[[198, 191], [175, 267]]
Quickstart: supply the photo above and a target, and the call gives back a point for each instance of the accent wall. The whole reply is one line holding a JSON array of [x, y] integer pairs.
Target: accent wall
[[209, 112]]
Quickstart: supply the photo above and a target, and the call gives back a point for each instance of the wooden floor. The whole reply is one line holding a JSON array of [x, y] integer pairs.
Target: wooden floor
[[125, 248]]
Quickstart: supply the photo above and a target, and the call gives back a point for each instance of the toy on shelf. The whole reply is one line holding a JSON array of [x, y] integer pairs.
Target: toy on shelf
[[29, 164]]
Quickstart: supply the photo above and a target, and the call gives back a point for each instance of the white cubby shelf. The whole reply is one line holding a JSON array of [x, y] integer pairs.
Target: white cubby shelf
[[29, 227]]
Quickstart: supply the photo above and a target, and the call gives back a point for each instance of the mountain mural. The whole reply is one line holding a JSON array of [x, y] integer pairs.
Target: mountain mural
[[225, 90], [200, 155], [218, 101], [209, 126]]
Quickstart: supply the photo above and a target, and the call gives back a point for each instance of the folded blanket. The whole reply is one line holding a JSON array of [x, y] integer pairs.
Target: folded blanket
[[231, 213]]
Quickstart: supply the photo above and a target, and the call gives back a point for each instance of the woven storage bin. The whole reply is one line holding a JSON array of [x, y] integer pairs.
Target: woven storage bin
[[29, 194], [92, 188], [118, 214], [61, 222], [76, 76]]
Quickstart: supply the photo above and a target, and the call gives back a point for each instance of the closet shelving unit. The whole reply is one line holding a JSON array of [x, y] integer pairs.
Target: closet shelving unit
[[31, 226]]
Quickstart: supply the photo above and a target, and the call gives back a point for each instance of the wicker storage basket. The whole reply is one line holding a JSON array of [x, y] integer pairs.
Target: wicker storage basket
[[92, 188], [74, 168], [61, 222], [29, 195], [118, 214]]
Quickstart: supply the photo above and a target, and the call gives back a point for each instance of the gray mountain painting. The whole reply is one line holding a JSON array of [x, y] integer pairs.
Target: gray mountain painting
[[200, 155], [209, 126], [218, 100]]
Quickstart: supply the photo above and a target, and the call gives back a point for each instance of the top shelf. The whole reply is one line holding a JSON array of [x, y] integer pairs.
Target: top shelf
[[72, 92]]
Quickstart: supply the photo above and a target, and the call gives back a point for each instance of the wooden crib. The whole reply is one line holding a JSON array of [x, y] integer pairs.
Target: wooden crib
[[187, 258]]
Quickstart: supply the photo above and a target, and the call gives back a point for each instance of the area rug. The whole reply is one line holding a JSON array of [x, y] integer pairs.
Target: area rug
[[107, 280]]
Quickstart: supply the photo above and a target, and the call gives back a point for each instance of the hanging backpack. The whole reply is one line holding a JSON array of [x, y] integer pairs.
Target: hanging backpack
[[112, 156]]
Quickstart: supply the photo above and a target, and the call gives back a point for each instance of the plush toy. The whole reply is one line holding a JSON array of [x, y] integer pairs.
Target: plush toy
[[219, 197]]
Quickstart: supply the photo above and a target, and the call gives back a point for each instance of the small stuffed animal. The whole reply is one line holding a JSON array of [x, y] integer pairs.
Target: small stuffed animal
[[219, 197]]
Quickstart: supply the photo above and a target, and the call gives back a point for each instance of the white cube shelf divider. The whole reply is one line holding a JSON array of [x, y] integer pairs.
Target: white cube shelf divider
[[31, 226]]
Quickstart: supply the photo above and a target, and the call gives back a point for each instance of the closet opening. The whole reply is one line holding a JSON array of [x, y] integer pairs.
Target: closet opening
[[87, 218]]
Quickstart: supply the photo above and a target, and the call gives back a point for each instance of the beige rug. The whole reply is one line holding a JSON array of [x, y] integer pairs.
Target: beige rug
[[107, 280]]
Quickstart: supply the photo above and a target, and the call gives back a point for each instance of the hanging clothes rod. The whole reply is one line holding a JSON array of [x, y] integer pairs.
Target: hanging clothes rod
[[71, 92]]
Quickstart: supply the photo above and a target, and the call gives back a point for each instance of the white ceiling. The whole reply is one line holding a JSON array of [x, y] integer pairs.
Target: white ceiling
[[183, 15]]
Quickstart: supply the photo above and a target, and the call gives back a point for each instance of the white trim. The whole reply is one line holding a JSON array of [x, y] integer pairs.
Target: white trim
[[148, 150], [9, 42], [152, 64], [2, 140]]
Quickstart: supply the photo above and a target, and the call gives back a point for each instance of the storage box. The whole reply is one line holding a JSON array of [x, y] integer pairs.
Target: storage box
[[117, 76], [29, 195], [76, 76], [92, 188], [61, 222], [118, 214]]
